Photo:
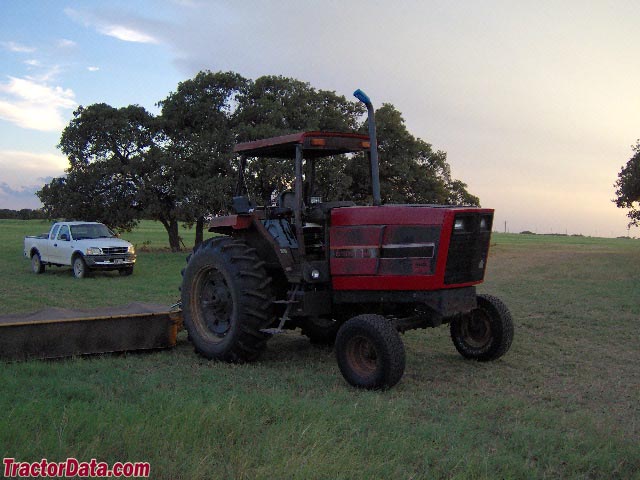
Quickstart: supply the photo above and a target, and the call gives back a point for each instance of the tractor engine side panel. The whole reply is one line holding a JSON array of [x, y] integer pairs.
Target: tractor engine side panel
[[395, 247]]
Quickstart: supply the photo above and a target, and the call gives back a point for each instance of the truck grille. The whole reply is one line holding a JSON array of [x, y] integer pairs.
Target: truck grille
[[114, 250], [468, 249]]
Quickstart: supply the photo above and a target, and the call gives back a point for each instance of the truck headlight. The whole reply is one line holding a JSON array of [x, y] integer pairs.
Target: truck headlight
[[93, 251], [131, 249]]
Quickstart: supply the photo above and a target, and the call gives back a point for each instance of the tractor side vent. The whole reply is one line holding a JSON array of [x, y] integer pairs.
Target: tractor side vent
[[468, 249]]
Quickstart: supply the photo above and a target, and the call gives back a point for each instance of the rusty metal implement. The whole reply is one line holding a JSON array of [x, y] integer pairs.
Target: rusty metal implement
[[59, 332]]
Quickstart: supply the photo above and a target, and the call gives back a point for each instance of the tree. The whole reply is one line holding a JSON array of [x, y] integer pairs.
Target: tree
[[118, 171], [105, 147], [628, 186], [197, 122], [126, 164], [410, 171], [276, 105]]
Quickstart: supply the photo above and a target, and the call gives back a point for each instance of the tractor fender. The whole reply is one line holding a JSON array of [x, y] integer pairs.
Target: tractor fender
[[234, 222]]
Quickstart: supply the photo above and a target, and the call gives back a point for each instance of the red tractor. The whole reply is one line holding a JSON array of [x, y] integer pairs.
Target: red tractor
[[354, 275]]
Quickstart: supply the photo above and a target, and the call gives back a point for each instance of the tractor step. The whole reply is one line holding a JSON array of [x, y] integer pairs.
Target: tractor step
[[272, 331]]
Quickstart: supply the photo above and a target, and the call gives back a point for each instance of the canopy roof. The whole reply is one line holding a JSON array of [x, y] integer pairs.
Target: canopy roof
[[314, 145]]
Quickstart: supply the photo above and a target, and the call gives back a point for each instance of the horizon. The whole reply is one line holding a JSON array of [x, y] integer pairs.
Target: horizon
[[535, 105]]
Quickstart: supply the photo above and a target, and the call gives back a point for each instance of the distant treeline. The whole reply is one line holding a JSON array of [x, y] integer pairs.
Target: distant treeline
[[24, 214]]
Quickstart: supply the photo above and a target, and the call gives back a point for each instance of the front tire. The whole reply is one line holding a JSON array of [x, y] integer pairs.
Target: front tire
[[370, 352], [80, 268], [125, 272], [226, 300], [36, 263], [486, 332]]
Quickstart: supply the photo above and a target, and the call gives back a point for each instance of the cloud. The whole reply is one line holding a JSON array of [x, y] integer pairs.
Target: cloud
[[127, 31], [93, 69], [19, 198], [187, 3], [33, 104], [20, 192], [24, 173], [66, 43], [126, 34], [17, 47]]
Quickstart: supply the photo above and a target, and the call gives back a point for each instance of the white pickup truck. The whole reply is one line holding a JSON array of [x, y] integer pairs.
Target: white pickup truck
[[84, 246]]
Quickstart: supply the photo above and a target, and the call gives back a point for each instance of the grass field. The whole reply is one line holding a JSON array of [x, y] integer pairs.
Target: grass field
[[563, 403]]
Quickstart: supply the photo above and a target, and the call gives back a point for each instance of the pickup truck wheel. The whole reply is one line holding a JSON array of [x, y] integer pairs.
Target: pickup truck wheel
[[36, 263], [125, 272], [79, 267]]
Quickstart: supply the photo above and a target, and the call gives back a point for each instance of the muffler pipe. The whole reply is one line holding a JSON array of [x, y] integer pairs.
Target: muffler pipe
[[373, 148]]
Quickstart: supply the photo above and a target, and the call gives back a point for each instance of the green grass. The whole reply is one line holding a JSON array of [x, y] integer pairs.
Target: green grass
[[563, 403]]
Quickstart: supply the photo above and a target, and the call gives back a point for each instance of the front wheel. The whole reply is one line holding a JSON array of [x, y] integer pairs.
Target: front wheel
[[79, 267], [486, 332], [370, 352]]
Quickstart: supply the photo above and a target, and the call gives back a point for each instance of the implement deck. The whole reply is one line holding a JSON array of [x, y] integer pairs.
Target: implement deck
[[59, 332]]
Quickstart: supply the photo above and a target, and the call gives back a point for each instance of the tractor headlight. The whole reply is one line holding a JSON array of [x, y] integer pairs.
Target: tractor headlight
[[93, 251], [458, 225], [131, 249], [485, 223]]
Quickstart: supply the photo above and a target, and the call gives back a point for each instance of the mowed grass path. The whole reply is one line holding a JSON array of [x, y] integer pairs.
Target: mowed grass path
[[563, 403]]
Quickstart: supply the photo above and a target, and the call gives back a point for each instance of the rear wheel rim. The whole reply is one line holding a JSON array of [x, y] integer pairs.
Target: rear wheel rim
[[35, 263], [476, 329], [361, 354], [213, 304]]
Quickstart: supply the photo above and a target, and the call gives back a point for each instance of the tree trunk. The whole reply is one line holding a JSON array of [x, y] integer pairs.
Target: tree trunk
[[199, 231], [171, 226]]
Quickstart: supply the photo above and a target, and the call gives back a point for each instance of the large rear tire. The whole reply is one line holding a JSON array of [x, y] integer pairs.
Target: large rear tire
[[370, 352], [226, 300], [485, 333]]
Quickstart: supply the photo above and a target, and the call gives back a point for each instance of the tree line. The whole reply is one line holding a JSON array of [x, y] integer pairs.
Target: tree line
[[126, 164], [22, 214]]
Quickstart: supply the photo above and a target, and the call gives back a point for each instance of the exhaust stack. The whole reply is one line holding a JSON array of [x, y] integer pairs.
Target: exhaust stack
[[373, 152]]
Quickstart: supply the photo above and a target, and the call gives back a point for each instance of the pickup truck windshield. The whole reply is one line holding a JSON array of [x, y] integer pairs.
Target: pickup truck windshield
[[90, 230]]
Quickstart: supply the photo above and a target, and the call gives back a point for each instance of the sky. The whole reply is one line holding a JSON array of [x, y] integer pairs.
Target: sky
[[536, 103]]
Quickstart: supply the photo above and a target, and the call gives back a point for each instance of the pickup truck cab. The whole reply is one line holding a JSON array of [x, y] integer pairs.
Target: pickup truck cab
[[84, 246]]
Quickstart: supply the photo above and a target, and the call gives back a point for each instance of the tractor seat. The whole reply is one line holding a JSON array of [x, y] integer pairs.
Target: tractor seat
[[284, 205], [320, 211], [242, 205]]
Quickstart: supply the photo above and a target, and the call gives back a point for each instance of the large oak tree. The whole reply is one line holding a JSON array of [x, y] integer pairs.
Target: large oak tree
[[126, 164]]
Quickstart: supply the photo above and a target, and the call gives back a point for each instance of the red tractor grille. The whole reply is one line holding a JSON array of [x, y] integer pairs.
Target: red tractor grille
[[468, 249]]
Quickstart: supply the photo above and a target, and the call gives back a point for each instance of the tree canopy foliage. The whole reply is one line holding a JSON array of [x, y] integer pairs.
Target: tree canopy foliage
[[628, 186], [126, 164]]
